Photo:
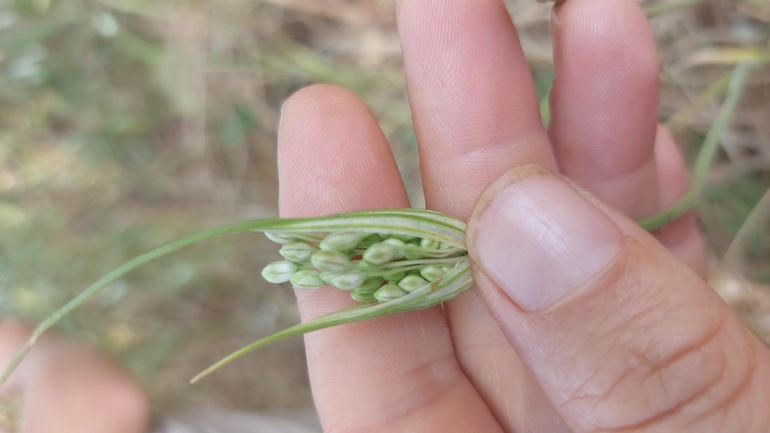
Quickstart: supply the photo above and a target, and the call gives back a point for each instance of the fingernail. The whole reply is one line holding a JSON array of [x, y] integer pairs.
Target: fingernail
[[538, 239]]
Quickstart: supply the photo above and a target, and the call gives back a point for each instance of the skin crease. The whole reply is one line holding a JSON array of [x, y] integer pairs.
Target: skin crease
[[643, 346]]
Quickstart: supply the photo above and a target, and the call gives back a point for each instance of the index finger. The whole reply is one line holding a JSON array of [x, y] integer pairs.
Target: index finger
[[389, 374]]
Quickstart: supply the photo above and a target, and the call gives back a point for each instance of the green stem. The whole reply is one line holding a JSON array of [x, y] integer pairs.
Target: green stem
[[333, 319], [426, 224], [115, 275], [666, 8], [455, 282], [705, 155], [545, 109]]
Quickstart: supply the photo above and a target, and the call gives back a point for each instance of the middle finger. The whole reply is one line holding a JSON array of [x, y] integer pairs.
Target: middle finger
[[476, 115]]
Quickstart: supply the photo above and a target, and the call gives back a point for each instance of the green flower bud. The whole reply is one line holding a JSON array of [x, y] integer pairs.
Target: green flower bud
[[371, 239], [370, 285], [279, 272], [278, 238], [380, 253], [410, 283], [431, 273], [307, 280], [330, 261], [366, 266], [446, 268], [297, 252], [327, 277], [413, 254], [362, 296], [394, 276], [405, 238], [348, 280], [342, 241], [443, 246], [430, 244], [398, 245], [389, 292]]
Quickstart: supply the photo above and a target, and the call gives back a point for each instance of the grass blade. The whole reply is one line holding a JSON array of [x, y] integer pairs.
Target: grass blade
[[416, 222], [706, 153], [454, 283]]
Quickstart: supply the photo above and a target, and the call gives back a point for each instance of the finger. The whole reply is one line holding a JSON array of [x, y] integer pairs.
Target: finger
[[604, 125], [70, 388], [474, 106], [476, 115], [77, 390], [622, 336], [388, 374], [682, 236], [604, 101]]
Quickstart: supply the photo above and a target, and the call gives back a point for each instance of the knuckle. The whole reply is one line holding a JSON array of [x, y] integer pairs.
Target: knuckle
[[671, 370]]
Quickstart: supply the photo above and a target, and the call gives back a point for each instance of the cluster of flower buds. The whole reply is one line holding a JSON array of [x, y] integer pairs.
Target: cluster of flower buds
[[372, 267]]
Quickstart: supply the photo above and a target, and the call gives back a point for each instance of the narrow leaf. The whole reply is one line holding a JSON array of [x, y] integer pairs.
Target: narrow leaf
[[414, 222]]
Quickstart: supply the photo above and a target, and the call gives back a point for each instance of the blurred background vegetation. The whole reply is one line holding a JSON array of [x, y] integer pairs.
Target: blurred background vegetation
[[125, 124]]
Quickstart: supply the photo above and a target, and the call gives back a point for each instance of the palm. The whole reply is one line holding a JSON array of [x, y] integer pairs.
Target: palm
[[476, 116]]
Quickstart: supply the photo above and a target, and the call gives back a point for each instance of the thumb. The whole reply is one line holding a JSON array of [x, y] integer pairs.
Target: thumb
[[619, 333]]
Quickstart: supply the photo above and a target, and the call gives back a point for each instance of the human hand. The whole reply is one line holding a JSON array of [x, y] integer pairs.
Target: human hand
[[66, 387], [585, 322]]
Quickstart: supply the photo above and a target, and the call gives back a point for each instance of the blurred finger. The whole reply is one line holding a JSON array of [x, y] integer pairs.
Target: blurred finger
[[604, 101], [70, 388], [604, 126]]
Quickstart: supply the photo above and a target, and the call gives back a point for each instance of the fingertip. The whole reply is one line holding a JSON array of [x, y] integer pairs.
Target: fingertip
[[333, 156], [610, 29], [319, 102], [618, 43], [605, 101], [316, 113]]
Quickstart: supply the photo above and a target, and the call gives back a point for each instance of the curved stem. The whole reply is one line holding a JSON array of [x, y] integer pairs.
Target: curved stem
[[426, 223], [119, 272], [456, 282], [705, 155]]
